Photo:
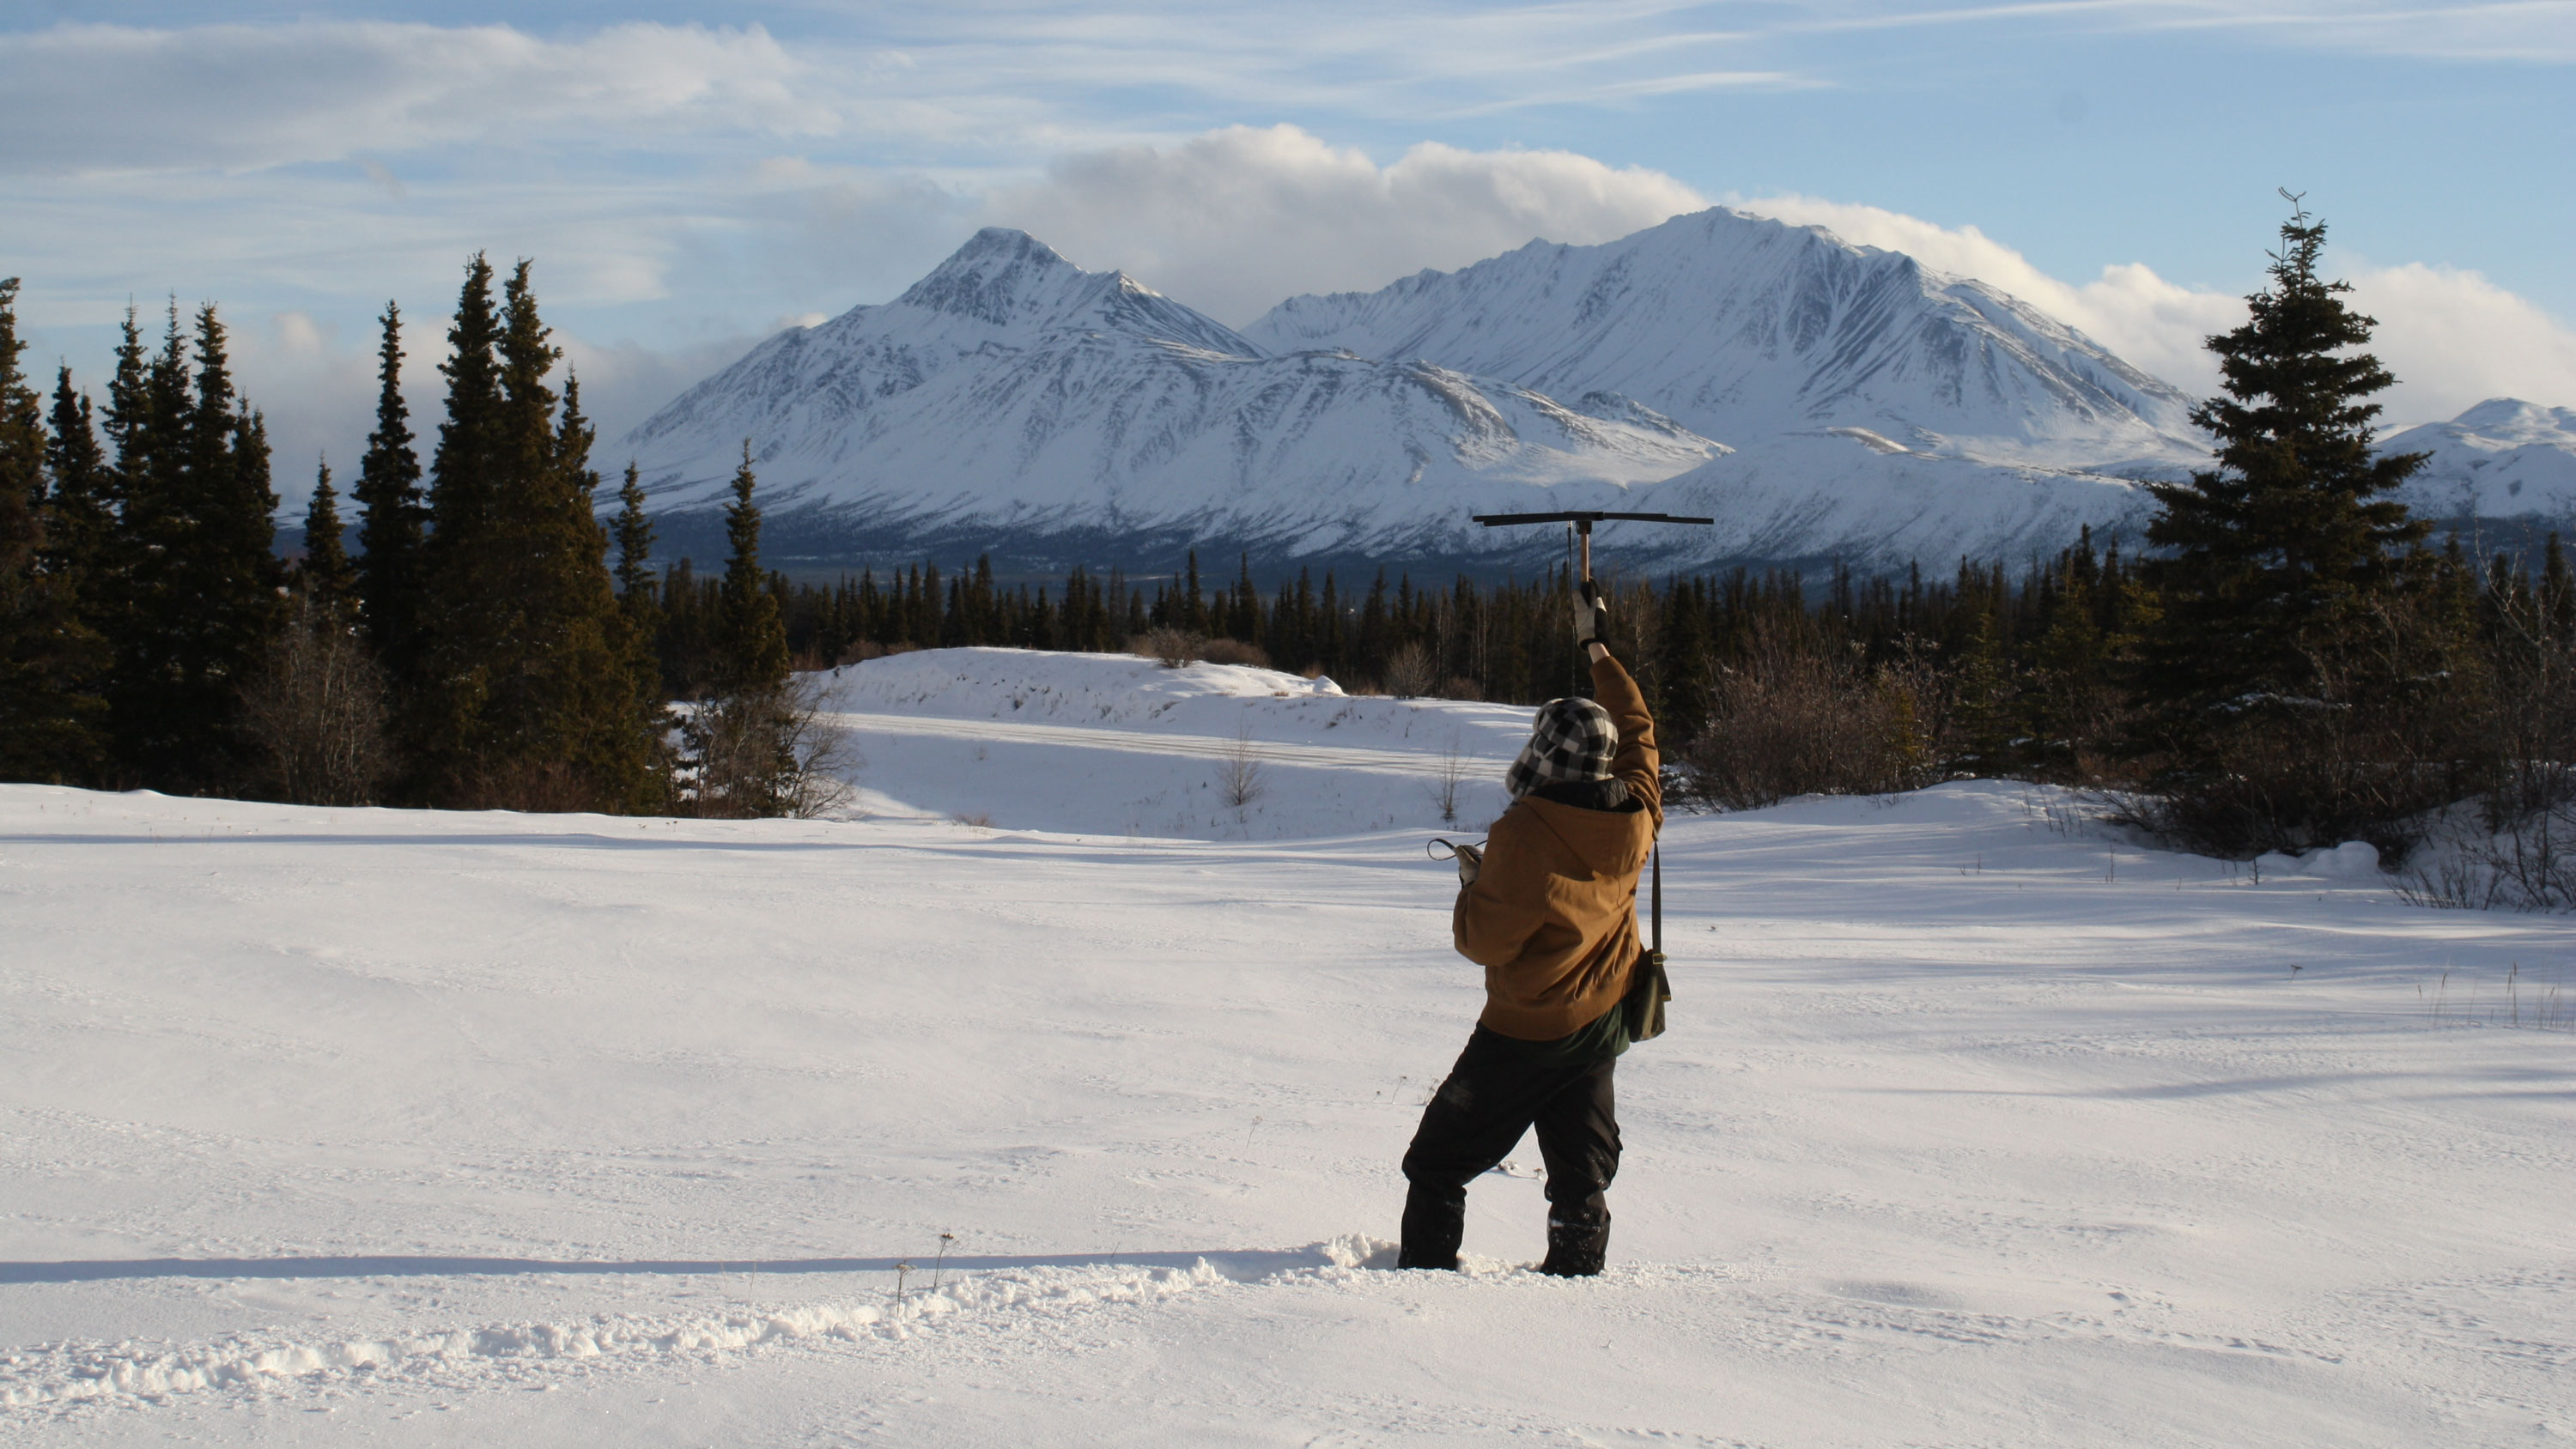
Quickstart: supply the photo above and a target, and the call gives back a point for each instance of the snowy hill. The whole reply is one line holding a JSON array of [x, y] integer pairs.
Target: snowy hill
[[1013, 397], [2504, 458], [1744, 328], [1976, 1124], [987, 734]]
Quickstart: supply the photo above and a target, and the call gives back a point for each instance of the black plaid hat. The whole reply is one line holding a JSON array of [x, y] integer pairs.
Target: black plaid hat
[[1572, 739]]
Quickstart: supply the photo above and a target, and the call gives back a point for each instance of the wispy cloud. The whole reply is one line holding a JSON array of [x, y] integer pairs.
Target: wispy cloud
[[987, 84], [87, 98]]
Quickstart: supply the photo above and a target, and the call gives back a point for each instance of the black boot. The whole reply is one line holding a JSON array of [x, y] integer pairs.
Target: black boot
[[1575, 1250], [1434, 1223]]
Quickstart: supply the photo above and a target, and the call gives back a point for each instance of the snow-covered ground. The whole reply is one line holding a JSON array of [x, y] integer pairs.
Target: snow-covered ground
[[1976, 1125]]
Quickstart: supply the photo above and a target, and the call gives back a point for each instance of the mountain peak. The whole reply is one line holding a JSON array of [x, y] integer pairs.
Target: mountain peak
[[994, 277], [1008, 281]]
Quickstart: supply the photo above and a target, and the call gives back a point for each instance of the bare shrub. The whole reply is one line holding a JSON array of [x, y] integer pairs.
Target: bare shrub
[[1790, 721], [2452, 885], [1167, 646], [1461, 687], [1453, 770], [317, 713], [1234, 651], [769, 753], [532, 787], [859, 652], [2534, 860], [2529, 864], [2530, 806], [1240, 778], [1411, 671]]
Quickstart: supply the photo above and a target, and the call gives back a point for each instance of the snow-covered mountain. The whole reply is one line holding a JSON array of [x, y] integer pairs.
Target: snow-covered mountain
[[1743, 328], [2504, 458], [1012, 396], [1823, 401]]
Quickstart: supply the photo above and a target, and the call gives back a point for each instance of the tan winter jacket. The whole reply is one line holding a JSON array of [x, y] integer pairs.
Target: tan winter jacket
[[1552, 916]]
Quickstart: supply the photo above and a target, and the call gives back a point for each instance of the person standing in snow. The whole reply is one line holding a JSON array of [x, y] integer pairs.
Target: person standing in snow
[[1548, 908]]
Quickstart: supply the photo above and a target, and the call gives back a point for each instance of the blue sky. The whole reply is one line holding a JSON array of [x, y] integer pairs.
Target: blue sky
[[691, 177]]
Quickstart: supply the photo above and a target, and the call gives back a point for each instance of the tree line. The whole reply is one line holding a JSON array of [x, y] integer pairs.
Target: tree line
[[2282, 661], [476, 651]]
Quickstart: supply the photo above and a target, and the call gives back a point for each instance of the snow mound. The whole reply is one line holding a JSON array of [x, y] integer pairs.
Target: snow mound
[[988, 683], [1110, 744], [2355, 860]]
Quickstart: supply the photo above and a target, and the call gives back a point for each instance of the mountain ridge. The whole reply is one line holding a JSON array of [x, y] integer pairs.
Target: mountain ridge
[[1827, 402], [1742, 327]]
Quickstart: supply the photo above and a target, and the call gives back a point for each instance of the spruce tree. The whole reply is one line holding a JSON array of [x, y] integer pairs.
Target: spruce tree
[[50, 710], [77, 525], [455, 624], [2280, 560], [640, 612], [22, 452], [751, 743], [609, 707], [325, 576], [194, 542], [752, 637], [391, 588], [2288, 537], [533, 700], [81, 511], [634, 532], [638, 595]]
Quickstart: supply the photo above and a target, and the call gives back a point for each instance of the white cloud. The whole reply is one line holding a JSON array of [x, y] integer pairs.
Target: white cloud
[[2454, 338], [2521, 31], [1235, 220], [2451, 337], [85, 98]]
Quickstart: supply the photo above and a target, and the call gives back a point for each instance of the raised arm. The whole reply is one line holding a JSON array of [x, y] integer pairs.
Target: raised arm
[[1639, 762]]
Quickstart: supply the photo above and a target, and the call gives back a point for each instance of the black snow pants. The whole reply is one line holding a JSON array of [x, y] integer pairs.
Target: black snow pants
[[1493, 1095]]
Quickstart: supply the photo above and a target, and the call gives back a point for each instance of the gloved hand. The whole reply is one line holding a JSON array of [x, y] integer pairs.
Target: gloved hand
[[1591, 617], [1470, 861]]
